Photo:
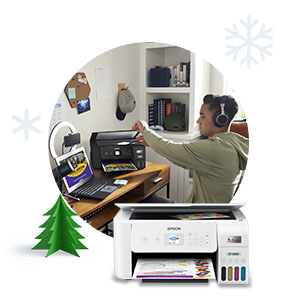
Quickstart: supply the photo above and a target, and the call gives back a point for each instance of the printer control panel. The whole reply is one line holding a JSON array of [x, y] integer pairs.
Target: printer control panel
[[189, 237], [192, 239]]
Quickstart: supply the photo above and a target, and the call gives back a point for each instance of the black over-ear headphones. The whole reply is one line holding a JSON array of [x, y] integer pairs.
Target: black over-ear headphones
[[220, 118]]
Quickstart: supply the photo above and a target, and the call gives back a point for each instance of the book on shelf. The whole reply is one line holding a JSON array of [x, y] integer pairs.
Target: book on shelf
[[162, 107], [174, 76], [180, 74], [171, 67], [183, 74], [156, 115], [151, 114], [182, 110], [168, 109]]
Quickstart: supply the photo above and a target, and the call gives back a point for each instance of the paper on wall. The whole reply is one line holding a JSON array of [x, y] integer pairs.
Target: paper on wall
[[103, 84]]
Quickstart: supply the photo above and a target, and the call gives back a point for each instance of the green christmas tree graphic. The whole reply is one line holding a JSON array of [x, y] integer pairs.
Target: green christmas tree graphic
[[60, 230]]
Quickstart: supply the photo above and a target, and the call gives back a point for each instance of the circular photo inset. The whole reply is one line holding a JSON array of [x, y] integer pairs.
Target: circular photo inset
[[148, 127]]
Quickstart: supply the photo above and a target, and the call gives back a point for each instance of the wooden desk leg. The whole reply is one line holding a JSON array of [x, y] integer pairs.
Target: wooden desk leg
[[168, 190], [107, 231]]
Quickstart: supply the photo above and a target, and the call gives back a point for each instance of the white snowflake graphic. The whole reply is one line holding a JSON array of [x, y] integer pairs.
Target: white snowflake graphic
[[26, 124], [248, 40]]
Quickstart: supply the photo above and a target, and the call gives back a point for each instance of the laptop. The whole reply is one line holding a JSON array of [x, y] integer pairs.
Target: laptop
[[81, 182]]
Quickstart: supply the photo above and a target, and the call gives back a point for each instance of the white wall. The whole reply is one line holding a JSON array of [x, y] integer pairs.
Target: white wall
[[202, 83], [123, 65], [217, 81]]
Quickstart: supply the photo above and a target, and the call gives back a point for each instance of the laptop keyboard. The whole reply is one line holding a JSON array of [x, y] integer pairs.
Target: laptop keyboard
[[92, 186]]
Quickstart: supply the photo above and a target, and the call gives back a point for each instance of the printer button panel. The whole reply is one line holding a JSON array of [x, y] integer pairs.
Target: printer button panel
[[167, 239], [197, 239]]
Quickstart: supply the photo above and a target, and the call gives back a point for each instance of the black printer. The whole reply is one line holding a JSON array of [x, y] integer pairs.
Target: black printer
[[108, 146]]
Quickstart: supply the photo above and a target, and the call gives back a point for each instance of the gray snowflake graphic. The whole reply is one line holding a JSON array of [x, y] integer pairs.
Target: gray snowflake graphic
[[248, 40], [26, 124]]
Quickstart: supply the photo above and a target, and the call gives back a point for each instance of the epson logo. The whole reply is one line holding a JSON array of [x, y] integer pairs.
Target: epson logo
[[173, 228]]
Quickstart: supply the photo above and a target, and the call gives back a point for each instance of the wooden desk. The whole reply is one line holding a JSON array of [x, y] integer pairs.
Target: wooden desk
[[140, 185]]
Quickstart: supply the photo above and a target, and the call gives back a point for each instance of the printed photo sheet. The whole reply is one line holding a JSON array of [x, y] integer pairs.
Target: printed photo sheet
[[203, 215], [174, 268], [118, 166]]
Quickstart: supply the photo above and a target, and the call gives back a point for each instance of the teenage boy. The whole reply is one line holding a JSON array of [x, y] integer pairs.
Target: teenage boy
[[216, 161]]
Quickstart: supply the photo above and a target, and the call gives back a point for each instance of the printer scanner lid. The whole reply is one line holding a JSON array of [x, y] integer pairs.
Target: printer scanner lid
[[116, 135], [180, 207]]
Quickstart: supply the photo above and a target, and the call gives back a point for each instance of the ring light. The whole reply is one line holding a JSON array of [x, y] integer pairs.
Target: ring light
[[53, 134]]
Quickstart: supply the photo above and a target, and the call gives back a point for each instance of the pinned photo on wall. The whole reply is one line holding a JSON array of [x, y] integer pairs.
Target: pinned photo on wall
[[83, 105]]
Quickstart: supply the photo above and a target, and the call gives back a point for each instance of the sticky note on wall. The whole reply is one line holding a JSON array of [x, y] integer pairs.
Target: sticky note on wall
[[72, 93]]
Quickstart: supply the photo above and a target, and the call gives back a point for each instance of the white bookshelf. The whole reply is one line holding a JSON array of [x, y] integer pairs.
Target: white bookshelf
[[166, 55]]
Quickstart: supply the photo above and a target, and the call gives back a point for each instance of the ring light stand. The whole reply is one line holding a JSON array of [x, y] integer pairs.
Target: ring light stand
[[56, 172], [53, 134]]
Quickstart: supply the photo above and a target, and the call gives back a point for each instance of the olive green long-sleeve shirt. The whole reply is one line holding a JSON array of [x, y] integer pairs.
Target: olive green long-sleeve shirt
[[216, 163]]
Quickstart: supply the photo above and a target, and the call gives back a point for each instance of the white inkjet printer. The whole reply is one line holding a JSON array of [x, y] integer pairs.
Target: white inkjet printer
[[155, 231]]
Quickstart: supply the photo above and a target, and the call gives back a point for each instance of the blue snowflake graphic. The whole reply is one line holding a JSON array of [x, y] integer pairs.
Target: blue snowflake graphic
[[26, 124], [249, 40]]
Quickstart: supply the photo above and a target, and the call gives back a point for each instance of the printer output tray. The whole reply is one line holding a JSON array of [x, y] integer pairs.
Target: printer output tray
[[197, 269]]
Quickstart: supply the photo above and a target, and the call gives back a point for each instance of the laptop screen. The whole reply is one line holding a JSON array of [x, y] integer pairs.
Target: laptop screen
[[82, 171]]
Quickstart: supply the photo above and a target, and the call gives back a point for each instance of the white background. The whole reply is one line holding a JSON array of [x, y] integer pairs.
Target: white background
[[43, 43]]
